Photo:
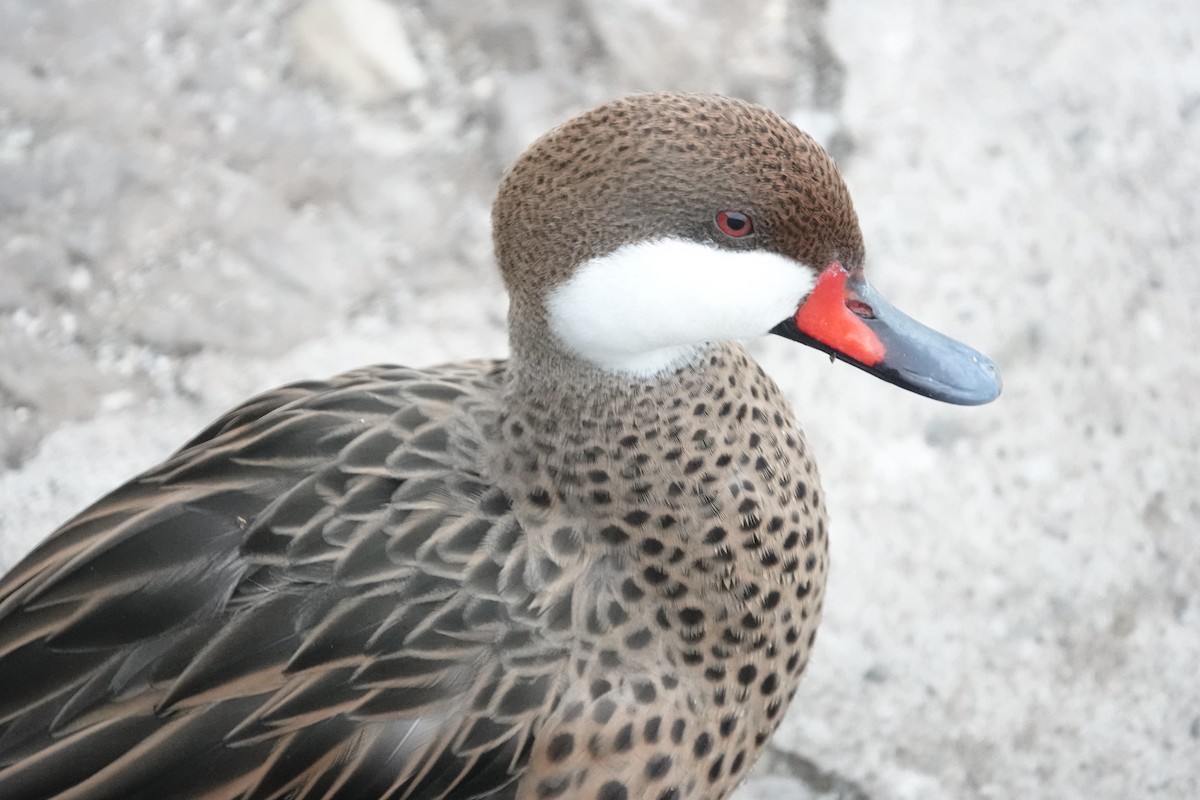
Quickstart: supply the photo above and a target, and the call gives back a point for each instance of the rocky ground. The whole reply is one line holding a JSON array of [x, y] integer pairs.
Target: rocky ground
[[199, 200]]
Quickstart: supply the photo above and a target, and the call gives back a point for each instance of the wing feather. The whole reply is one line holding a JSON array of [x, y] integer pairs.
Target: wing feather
[[313, 598]]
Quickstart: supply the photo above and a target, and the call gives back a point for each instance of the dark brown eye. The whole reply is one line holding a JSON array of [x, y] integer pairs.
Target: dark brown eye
[[734, 223]]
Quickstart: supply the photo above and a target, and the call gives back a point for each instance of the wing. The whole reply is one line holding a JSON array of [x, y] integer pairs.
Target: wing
[[320, 596]]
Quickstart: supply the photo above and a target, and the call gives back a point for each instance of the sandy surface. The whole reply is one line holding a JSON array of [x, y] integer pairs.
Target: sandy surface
[[199, 200]]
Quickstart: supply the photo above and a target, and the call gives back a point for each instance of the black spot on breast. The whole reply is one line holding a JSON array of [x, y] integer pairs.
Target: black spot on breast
[[638, 639], [637, 517], [654, 576], [560, 747], [564, 542], [614, 534], [630, 591], [718, 767], [613, 790], [603, 710], [658, 766], [623, 741]]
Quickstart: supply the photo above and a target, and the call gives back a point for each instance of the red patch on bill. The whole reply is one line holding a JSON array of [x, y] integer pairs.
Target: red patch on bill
[[829, 316]]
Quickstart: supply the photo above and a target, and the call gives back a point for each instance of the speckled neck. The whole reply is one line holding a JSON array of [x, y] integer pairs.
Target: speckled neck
[[711, 444]]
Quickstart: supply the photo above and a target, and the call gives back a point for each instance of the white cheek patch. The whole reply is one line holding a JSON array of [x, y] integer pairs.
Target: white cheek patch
[[647, 307]]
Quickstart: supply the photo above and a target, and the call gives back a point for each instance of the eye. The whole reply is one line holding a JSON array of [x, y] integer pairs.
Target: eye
[[734, 223]]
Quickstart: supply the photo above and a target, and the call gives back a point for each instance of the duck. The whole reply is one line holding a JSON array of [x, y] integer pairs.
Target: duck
[[594, 569]]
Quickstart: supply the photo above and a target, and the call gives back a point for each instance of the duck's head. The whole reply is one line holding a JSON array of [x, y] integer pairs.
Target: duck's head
[[637, 232]]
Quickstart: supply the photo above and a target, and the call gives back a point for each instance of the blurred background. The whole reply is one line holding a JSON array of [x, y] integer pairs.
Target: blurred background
[[201, 199]]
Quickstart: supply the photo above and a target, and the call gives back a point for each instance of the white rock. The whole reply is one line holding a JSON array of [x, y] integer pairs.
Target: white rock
[[362, 45]]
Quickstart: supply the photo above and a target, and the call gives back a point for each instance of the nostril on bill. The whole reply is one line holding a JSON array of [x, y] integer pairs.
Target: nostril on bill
[[860, 308]]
